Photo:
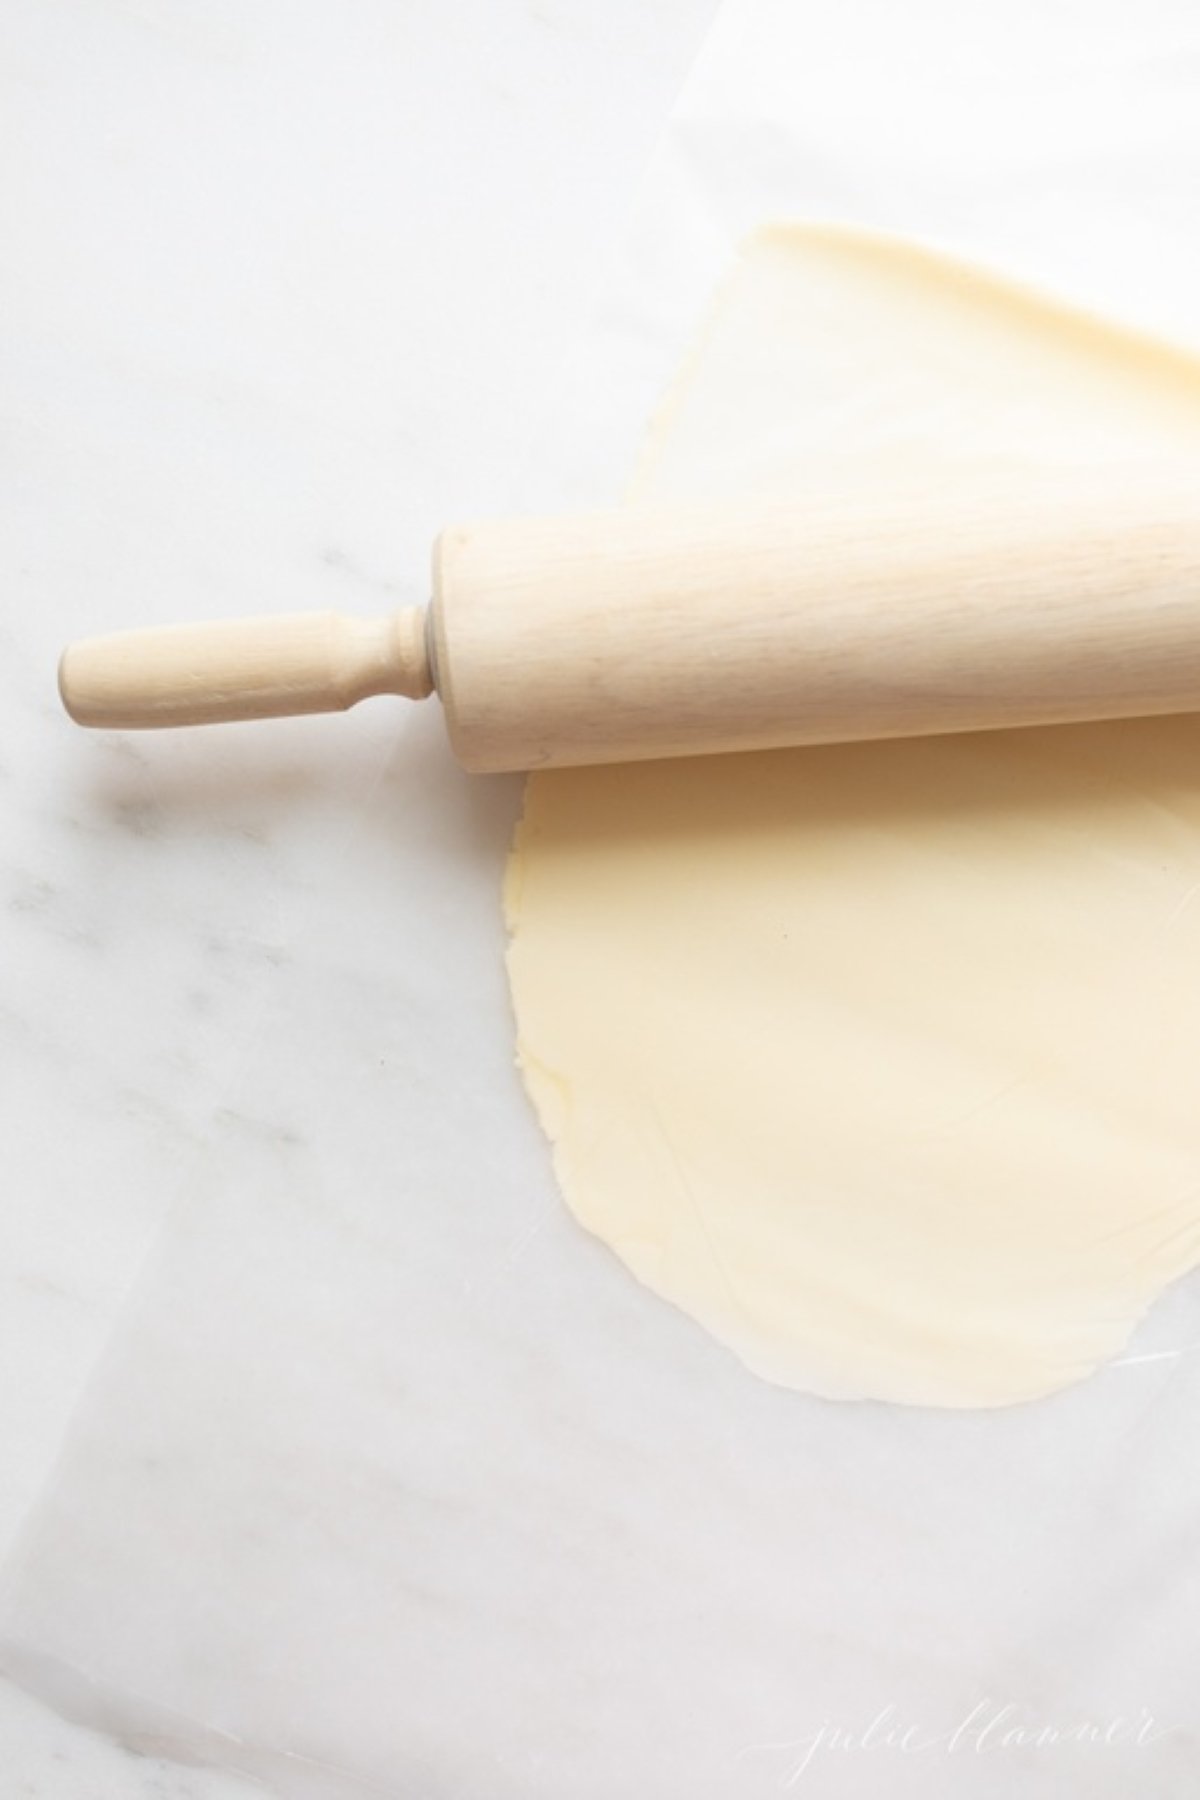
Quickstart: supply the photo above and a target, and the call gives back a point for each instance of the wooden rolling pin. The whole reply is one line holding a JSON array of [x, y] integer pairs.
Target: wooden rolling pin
[[635, 633]]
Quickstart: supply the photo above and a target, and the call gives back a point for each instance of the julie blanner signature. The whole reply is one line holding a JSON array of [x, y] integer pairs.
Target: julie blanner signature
[[989, 1729]]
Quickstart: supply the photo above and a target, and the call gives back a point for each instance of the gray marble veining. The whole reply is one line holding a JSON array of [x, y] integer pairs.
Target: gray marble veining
[[283, 287]]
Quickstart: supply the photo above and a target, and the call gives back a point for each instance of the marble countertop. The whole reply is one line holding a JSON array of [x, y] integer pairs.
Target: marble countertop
[[338, 1460], [284, 287]]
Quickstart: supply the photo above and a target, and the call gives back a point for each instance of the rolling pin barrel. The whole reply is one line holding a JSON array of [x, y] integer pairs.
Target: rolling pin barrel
[[635, 634]]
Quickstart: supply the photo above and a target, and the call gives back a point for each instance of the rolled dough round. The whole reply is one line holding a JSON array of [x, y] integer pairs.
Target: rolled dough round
[[880, 1060]]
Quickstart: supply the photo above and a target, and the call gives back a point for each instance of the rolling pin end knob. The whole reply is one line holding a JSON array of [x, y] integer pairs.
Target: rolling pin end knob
[[68, 692]]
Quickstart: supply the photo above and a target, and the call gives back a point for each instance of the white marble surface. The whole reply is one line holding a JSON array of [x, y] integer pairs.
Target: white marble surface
[[386, 1480], [283, 285]]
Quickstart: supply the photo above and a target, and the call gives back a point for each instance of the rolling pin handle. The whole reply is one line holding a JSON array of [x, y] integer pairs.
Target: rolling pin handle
[[251, 669]]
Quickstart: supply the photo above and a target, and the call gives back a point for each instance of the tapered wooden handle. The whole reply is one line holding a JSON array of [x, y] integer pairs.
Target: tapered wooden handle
[[250, 669]]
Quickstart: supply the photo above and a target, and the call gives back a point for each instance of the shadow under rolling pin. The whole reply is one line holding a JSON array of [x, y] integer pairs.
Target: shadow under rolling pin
[[634, 634]]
